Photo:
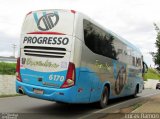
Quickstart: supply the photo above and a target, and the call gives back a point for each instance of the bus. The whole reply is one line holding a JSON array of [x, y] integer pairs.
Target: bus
[[67, 57]]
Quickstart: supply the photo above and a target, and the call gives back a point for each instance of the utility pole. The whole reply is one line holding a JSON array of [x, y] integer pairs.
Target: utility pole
[[14, 47]]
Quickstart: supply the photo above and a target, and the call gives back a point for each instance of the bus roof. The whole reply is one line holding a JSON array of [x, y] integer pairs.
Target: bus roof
[[107, 30], [125, 41]]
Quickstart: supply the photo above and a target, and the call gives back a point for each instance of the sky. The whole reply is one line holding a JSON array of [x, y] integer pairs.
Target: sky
[[131, 19]]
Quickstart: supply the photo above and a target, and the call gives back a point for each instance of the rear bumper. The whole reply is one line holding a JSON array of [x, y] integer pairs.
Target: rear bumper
[[62, 95]]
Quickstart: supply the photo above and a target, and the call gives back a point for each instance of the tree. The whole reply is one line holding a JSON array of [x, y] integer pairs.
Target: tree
[[156, 55]]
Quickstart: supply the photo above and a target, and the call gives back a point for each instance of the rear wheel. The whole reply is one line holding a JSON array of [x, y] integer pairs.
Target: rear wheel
[[104, 98], [135, 92]]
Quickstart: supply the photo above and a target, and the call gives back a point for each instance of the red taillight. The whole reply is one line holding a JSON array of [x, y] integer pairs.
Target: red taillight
[[70, 78], [73, 11], [18, 77]]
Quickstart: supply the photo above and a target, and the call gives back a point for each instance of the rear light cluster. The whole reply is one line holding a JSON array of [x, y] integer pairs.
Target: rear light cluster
[[70, 78], [18, 77], [73, 11]]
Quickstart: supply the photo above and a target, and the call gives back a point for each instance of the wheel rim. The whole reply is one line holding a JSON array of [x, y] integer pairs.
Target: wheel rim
[[104, 98]]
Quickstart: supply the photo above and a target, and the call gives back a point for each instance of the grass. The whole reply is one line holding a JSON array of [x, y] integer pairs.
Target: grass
[[7, 68], [152, 74], [135, 106], [10, 95]]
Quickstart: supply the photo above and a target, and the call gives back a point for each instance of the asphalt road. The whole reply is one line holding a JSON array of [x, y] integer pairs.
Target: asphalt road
[[41, 109]]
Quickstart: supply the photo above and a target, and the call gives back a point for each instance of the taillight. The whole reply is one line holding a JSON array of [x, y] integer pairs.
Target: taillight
[[70, 78], [18, 77], [73, 11]]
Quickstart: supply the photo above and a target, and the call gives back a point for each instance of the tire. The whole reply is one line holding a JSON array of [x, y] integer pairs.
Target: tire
[[135, 92], [104, 98]]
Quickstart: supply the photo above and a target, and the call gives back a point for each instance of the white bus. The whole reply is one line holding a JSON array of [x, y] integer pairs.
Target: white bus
[[67, 57]]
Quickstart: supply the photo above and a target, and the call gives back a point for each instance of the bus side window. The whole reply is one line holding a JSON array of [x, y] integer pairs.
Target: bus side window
[[133, 61], [98, 41]]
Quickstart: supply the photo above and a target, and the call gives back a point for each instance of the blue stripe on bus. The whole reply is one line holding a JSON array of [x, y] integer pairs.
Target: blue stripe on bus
[[85, 80], [31, 76]]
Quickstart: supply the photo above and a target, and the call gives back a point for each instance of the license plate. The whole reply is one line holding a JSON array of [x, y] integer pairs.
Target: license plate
[[38, 91]]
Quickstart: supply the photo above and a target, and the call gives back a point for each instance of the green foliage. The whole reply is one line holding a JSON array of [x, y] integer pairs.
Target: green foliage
[[7, 68], [135, 106], [10, 95], [152, 74], [156, 55]]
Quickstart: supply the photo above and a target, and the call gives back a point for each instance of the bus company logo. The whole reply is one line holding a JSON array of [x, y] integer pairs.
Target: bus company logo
[[47, 21]]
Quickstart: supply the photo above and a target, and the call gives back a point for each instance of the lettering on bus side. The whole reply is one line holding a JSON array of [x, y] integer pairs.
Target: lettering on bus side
[[46, 40]]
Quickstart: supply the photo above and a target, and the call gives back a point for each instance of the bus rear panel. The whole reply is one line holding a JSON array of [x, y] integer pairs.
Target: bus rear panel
[[45, 68]]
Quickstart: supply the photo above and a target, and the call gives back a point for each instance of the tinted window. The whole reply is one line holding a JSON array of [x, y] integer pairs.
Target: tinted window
[[98, 41]]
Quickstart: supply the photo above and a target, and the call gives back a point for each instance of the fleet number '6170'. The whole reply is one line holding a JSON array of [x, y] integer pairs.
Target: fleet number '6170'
[[56, 77]]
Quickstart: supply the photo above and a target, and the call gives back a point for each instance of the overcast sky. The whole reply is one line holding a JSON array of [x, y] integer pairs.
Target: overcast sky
[[131, 19]]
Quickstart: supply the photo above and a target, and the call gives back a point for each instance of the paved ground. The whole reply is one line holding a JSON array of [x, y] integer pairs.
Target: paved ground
[[151, 106], [42, 109]]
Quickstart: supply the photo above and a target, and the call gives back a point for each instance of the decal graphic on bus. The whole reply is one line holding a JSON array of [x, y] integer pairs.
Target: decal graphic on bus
[[47, 21]]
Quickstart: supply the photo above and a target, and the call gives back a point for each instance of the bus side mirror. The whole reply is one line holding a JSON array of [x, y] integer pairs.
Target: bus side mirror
[[145, 68]]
